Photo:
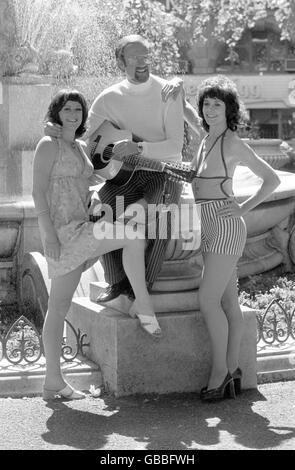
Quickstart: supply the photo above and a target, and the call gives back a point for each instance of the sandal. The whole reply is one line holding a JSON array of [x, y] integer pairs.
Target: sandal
[[148, 323], [67, 392]]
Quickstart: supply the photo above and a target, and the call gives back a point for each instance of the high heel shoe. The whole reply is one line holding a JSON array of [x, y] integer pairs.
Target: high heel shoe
[[148, 323], [237, 377], [225, 390], [67, 392]]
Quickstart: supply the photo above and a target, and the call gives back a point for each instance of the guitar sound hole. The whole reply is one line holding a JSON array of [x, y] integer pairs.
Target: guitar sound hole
[[97, 162], [107, 153], [101, 160]]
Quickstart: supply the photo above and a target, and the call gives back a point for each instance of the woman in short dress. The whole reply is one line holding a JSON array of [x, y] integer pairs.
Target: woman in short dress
[[61, 178]]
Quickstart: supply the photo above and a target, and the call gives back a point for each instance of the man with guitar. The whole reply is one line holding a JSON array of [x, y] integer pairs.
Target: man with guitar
[[154, 131], [127, 119]]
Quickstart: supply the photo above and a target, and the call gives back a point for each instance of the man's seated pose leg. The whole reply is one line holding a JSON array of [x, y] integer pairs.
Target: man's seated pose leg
[[152, 192]]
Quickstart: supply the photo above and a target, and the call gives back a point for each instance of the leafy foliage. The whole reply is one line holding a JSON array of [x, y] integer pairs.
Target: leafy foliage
[[259, 290], [150, 19], [226, 20], [88, 30]]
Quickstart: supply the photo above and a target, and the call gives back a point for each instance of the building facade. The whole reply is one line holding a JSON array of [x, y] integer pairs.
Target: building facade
[[269, 99], [263, 67]]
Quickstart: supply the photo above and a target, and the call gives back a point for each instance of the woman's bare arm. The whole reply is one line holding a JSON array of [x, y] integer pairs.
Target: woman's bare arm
[[44, 159], [270, 179]]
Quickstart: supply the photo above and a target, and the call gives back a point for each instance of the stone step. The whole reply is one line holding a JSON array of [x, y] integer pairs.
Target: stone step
[[283, 359], [274, 366], [275, 375], [179, 275], [27, 380]]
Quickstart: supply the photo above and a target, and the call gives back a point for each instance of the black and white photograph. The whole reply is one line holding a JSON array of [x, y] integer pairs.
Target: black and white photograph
[[147, 229]]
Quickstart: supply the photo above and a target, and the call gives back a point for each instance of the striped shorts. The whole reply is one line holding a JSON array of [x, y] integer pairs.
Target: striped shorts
[[226, 236]]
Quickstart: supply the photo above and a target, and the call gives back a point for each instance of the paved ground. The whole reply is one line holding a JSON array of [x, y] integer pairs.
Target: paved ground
[[259, 419]]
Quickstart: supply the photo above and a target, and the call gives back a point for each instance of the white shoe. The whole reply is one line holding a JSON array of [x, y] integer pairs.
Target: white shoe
[[67, 392]]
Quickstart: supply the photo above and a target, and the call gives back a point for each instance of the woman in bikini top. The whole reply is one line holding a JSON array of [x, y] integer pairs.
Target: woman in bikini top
[[207, 185], [221, 112]]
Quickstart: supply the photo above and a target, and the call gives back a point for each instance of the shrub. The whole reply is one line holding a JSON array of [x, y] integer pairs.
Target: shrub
[[259, 290]]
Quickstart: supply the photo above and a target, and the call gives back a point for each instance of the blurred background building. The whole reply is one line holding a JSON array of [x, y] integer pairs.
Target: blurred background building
[[261, 63]]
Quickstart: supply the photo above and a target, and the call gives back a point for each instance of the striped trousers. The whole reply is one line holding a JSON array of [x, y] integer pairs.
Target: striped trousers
[[148, 185]]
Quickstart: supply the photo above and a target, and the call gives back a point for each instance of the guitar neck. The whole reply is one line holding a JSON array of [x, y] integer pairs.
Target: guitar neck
[[144, 163], [178, 171]]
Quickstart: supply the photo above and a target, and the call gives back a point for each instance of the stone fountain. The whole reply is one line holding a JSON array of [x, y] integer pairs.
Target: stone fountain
[[23, 105]]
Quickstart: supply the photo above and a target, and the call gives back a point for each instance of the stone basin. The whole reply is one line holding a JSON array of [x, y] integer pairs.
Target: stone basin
[[245, 183], [277, 207], [270, 150], [270, 226]]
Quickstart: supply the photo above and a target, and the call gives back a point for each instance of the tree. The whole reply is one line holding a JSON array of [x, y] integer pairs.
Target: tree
[[84, 33], [150, 19], [284, 12], [226, 20], [91, 28]]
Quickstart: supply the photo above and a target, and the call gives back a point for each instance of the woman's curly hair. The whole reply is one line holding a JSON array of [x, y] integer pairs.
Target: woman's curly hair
[[58, 102], [224, 89]]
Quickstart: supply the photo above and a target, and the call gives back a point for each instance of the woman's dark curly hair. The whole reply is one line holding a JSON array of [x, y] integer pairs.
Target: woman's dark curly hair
[[58, 102], [224, 89]]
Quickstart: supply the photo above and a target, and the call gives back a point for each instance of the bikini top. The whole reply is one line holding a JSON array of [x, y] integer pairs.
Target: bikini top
[[201, 162]]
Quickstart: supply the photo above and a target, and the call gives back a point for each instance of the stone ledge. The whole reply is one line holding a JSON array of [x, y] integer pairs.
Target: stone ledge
[[275, 376], [17, 208], [132, 362], [276, 360], [275, 366], [163, 302], [27, 380]]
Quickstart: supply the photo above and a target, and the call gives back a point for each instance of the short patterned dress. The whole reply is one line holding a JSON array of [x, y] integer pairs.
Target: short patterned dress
[[67, 200]]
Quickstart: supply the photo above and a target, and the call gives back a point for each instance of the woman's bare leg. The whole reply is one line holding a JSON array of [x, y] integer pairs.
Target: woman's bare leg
[[133, 262], [60, 297], [233, 312], [217, 272], [63, 288]]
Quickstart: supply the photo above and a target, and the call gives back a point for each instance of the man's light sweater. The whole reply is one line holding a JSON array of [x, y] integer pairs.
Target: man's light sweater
[[140, 110]]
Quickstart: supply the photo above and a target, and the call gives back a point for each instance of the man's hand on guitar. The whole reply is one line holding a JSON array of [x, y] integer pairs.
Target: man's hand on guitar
[[93, 203], [123, 148], [53, 130]]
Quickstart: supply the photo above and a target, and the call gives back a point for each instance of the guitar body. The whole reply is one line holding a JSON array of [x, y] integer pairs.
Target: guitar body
[[101, 145], [120, 171]]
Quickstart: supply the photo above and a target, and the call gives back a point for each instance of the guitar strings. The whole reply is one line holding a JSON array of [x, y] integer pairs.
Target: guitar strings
[[135, 160], [178, 165]]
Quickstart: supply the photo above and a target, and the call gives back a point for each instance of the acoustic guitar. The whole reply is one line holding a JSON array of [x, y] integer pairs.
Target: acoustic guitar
[[121, 169]]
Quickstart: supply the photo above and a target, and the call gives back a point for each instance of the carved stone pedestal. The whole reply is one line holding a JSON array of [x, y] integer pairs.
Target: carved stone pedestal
[[132, 362]]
